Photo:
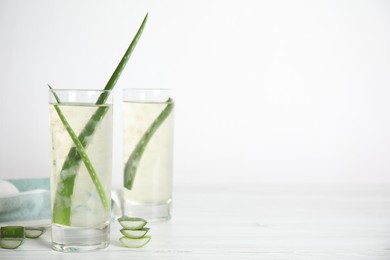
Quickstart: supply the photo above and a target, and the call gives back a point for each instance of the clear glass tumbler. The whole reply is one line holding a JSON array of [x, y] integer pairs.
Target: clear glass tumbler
[[148, 153], [81, 168]]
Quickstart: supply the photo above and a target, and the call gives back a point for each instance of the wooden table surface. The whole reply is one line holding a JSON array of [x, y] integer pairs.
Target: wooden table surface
[[255, 222]]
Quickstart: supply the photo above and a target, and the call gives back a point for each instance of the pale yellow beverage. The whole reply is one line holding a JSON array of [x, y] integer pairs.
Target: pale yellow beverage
[[89, 219], [151, 194]]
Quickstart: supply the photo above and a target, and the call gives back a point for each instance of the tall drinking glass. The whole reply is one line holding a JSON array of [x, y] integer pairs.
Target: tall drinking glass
[[81, 168], [148, 153]]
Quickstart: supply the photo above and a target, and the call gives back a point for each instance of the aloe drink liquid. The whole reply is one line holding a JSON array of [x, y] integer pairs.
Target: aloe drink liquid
[[151, 193], [87, 226]]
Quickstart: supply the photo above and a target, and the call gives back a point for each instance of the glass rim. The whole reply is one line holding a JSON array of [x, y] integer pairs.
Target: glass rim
[[147, 89], [79, 90], [147, 95], [84, 96]]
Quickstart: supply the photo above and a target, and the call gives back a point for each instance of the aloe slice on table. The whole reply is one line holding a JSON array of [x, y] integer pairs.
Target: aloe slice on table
[[12, 232], [11, 237], [134, 242], [132, 223], [137, 233], [136, 155], [34, 232], [10, 243], [62, 207]]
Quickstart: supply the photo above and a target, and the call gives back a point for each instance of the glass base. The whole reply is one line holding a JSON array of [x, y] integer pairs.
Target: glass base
[[150, 212], [71, 239]]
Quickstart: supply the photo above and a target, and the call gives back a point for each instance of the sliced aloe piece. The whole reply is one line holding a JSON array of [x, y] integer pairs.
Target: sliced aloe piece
[[11, 236], [134, 233], [132, 223], [34, 232], [12, 232], [134, 242], [11, 243]]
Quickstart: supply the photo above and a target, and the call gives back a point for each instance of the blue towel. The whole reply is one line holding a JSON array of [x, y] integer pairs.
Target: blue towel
[[25, 200]]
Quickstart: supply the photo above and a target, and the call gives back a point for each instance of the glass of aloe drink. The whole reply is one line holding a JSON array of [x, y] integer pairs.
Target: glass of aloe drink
[[147, 116], [81, 168]]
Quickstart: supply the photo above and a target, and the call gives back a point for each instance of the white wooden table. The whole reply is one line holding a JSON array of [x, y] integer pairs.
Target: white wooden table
[[255, 222]]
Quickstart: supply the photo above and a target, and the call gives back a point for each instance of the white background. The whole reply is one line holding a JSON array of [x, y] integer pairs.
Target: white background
[[266, 91]]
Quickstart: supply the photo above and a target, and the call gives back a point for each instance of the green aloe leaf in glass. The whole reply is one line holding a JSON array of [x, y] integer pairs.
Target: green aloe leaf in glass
[[62, 207], [133, 161]]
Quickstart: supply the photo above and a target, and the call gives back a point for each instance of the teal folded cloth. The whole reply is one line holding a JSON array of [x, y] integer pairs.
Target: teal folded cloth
[[25, 200]]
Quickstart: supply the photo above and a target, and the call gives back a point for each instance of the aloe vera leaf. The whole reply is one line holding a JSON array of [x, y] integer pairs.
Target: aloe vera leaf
[[64, 192], [12, 232], [34, 232], [85, 158], [137, 233], [62, 210], [11, 243], [11, 236], [134, 242], [136, 155], [132, 223], [118, 71]]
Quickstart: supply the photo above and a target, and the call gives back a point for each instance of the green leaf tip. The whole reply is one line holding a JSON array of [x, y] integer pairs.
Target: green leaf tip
[[118, 71]]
